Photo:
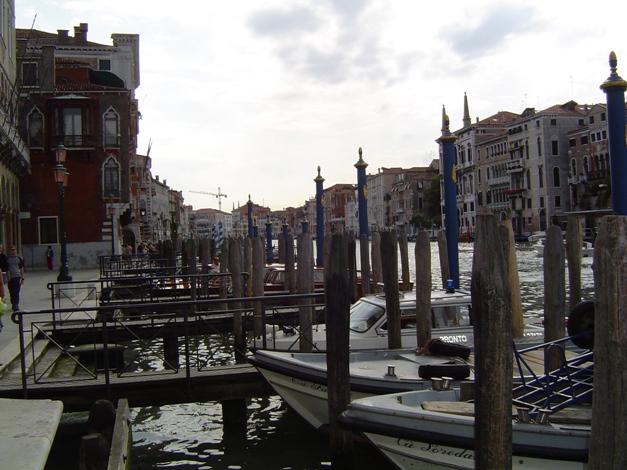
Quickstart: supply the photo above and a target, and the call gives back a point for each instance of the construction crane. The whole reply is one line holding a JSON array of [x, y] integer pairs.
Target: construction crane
[[219, 195]]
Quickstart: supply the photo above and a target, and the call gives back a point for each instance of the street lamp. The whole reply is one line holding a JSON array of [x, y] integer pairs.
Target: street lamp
[[61, 177], [111, 210]]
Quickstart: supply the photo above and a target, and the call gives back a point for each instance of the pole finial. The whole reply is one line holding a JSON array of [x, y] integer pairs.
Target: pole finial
[[614, 80]]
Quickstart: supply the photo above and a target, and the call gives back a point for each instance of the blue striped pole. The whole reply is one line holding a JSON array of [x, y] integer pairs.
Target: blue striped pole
[[447, 141], [362, 195], [269, 253], [614, 87], [285, 226], [249, 205], [220, 236], [319, 219]]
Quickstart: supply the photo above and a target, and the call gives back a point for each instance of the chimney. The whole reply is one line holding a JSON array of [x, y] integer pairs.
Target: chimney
[[80, 32], [62, 35]]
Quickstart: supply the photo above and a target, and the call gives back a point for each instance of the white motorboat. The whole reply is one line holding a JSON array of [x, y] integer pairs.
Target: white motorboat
[[587, 249], [434, 429], [301, 378], [536, 236], [450, 315]]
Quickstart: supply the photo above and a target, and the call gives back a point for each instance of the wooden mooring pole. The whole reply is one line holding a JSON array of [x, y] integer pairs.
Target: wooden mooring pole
[[608, 441], [305, 285], [389, 253], [554, 296], [491, 303], [422, 253], [403, 249], [377, 272], [574, 242], [364, 253], [337, 304], [443, 250]]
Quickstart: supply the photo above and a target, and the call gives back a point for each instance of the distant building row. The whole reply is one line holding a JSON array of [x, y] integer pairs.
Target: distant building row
[[534, 168]]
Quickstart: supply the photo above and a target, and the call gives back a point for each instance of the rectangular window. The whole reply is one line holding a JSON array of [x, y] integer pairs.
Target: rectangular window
[[528, 203], [604, 135], [558, 201], [537, 123], [29, 73], [591, 120], [580, 122], [104, 64], [48, 231], [592, 137], [603, 118], [554, 122], [542, 202], [72, 126], [555, 149], [540, 178], [572, 143], [584, 140]]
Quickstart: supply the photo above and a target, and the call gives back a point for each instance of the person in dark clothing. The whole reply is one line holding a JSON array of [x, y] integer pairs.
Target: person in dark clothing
[[15, 275]]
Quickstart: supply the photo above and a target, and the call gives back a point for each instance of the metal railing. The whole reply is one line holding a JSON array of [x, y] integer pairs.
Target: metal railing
[[100, 343]]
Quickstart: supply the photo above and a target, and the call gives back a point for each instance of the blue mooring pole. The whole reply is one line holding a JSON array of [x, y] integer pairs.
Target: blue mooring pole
[[447, 140], [269, 254], [319, 219], [362, 195], [614, 87], [249, 204]]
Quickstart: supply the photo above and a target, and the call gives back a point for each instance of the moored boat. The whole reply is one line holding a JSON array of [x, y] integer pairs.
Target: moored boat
[[301, 378], [451, 315], [435, 429]]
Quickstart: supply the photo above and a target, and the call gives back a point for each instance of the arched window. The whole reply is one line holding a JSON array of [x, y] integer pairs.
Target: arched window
[[585, 165], [111, 178], [35, 129], [111, 137], [528, 178], [539, 147], [573, 167], [556, 177]]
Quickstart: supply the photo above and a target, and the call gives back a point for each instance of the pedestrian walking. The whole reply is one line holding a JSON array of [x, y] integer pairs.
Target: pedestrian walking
[[15, 276], [49, 256], [3, 264]]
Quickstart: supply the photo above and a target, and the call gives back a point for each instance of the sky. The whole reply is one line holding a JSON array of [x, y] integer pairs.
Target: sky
[[251, 96]]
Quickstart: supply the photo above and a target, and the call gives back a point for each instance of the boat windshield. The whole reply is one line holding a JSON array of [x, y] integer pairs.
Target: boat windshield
[[364, 315]]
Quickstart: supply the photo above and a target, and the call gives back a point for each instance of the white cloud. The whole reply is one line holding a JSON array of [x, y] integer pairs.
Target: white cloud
[[251, 96]]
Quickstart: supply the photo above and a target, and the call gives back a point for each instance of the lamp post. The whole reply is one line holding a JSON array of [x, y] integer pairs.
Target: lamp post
[[61, 177], [111, 211]]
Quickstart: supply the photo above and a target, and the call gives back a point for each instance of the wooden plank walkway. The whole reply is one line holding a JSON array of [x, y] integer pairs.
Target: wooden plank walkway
[[146, 388]]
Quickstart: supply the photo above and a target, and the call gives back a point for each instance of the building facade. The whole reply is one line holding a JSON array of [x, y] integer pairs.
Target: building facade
[[14, 153], [80, 95]]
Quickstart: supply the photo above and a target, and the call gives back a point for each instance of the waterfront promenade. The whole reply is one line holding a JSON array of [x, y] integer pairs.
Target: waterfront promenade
[[25, 444], [34, 296]]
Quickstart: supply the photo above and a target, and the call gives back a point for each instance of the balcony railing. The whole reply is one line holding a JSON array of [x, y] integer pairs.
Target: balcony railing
[[73, 141]]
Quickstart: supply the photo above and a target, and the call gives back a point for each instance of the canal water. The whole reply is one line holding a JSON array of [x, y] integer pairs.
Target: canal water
[[191, 436]]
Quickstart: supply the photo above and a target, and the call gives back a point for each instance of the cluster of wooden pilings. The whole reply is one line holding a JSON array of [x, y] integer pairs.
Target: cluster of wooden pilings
[[492, 285]]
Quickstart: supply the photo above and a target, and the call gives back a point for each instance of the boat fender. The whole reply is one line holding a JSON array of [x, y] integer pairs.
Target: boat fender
[[289, 331], [580, 321], [454, 371], [438, 347]]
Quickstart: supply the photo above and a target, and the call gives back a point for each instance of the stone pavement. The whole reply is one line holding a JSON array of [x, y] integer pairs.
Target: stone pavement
[[35, 296]]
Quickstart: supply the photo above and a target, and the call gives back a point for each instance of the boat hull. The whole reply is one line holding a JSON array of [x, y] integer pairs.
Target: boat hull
[[432, 429], [301, 378]]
